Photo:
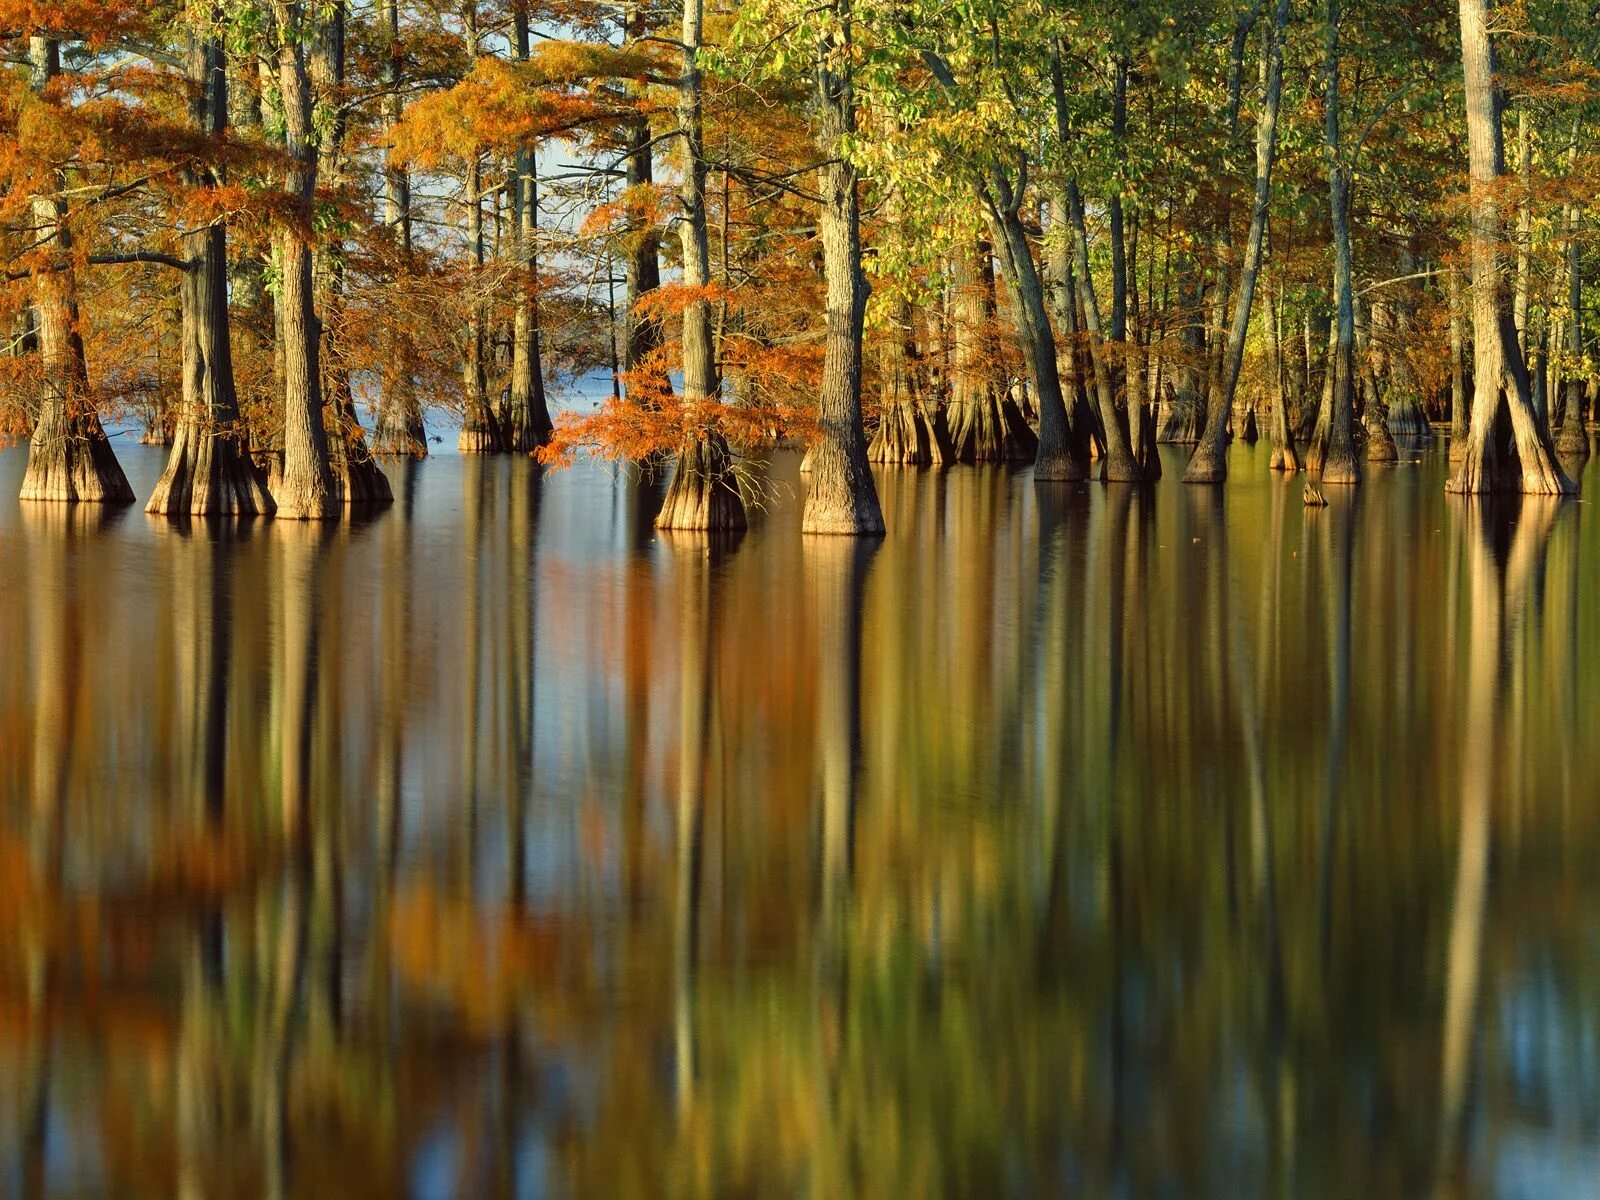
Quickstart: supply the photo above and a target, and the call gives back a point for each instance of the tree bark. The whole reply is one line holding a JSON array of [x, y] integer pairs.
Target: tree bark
[[985, 424], [1574, 443], [400, 431], [1507, 447], [841, 497], [305, 489], [525, 418], [69, 458], [1210, 461], [1119, 465], [210, 469], [703, 494], [1333, 445]]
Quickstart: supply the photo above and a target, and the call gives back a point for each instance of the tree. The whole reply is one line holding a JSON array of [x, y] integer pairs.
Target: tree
[[210, 470], [1508, 446]]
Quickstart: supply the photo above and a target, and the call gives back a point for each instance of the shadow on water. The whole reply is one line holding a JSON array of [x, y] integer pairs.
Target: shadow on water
[[1068, 840]]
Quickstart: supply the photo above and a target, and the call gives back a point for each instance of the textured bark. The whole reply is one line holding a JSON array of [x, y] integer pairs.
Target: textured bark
[[358, 479], [910, 431], [1056, 456], [1210, 461], [524, 416], [399, 431], [305, 487], [210, 469], [1184, 415], [985, 425], [69, 458], [1333, 445], [1460, 398], [1574, 442], [1119, 465], [480, 431], [1507, 446], [703, 494], [1375, 409], [841, 496], [1280, 430]]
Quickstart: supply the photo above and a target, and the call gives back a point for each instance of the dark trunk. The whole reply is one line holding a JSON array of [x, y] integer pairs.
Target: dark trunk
[[69, 458], [210, 469], [841, 497]]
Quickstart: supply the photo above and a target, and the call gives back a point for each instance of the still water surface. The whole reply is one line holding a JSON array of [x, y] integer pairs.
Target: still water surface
[[1069, 841]]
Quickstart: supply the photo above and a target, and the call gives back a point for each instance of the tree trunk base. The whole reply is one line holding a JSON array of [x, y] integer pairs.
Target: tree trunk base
[[70, 461], [703, 494], [1407, 420], [910, 434], [1182, 422], [1284, 458], [990, 429], [522, 429], [841, 498], [1380, 444], [480, 436], [1208, 464], [399, 435], [1340, 465], [1249, 430], [357, 477], [1061, 467], [307, 494], [1121, 468], [210, 474]]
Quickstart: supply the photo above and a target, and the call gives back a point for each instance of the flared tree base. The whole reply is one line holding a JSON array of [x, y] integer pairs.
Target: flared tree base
[[210, 474], [841, 497], [305, 493], [357, 477], [70, 461], [1182, 422], [1207, 465], [703, 494], [1249, 430], [1061, 467], [1407, 420], [1380, 444], [1285, 458], [523, 426], [1340, 465], [990, 429], [912, 435], [479, 437], [399, 436]]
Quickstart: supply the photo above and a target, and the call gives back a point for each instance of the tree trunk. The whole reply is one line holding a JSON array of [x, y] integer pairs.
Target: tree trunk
[[1574, 443], [1119, 466], [641, 261], [210, 469], [1460, 400], [400, 431], [1374, 362], [1210, 461], [357, 478], [985, 424], [69, 458], [842, 497], [1060, 454], [480, 432], [1280, 432], [1333, 445], [525, 417], [305, 488], [1506, 445], [703, 493]]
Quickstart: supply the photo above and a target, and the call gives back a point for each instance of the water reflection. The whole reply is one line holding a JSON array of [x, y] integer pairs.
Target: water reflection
[[1068, 841]]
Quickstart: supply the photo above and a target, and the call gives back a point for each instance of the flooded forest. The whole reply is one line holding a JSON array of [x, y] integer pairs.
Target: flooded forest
[[863, 598]]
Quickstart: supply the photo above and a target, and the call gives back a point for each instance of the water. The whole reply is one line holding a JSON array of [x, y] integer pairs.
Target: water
[[1069, 841]]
